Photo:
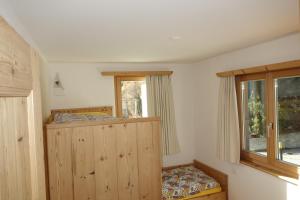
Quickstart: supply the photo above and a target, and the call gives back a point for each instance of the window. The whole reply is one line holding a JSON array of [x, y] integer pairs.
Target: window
[[131, 96], [269, 112]]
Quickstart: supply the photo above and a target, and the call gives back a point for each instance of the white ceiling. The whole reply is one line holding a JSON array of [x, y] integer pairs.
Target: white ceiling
[[141, 30]]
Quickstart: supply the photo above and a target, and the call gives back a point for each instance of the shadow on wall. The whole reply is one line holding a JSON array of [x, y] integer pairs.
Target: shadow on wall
[[292, 191]]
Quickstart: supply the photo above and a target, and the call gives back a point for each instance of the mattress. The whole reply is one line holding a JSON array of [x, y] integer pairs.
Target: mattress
[[73, 117], [186, 183]]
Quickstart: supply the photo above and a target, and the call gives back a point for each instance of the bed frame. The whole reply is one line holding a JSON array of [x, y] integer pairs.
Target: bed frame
[[218, 175]]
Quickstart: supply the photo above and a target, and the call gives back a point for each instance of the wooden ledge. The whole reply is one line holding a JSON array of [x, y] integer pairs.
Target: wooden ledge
[[271, 172], [263, 68], [137, 73]]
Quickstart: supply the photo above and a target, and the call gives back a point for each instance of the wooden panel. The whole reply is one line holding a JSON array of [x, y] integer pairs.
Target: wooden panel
[[36, 139], [157, 160], [14, 150], [216, 196], [105, 163], [149, 161], [127, 161], [15, 66], [83, 163], [60, 164]]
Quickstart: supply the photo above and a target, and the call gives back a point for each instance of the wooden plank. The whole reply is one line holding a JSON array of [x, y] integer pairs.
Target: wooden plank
[[36, 139], [149, 158], [127, 163], [263, 68], [145, 158], [215, 196], [137, 73], [21, 139], [157, 160], [59, 144], [83, 163], [105, 162]]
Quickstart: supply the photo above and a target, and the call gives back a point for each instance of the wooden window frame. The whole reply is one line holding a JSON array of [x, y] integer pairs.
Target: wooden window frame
[[118, 93], [269, 163]]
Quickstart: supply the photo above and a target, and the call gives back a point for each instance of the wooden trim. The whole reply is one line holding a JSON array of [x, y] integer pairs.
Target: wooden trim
[[263, 68], [137, 73]]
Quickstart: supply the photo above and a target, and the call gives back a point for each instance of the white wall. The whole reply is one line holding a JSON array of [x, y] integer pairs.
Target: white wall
[[245, 183], [84, 87]]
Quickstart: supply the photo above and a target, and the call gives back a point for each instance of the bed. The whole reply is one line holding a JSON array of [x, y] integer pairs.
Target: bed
[[91, 155], [195, 181]]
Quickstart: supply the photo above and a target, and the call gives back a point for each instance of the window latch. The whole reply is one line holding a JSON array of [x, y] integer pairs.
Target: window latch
[[269, 127]]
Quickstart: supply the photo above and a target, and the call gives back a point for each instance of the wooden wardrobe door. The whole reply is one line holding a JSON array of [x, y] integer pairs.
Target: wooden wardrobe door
[[83, 163], [105, 162], [149, 157], [21, 135], [15, 181], [59, 144], [127, 163]]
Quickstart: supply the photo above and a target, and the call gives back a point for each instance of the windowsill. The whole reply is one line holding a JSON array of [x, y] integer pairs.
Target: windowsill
[[271, 172]]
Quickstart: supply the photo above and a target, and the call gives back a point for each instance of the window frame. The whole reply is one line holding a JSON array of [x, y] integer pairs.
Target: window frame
[[270, 163], [118, 92]]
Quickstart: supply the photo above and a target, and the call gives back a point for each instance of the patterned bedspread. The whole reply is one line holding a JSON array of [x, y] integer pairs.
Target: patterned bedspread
[[71, 117], [185, 181]]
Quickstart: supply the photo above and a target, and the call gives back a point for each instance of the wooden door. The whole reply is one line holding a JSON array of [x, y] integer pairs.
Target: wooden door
[[14, 150]]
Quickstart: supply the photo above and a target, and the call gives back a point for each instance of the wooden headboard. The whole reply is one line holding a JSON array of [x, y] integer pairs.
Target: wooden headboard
[[103, 109]]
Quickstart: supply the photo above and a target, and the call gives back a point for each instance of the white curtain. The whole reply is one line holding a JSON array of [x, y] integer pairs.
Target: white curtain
[[160, 104], [228, 122]]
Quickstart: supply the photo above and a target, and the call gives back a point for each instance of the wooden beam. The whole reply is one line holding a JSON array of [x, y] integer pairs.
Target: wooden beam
[[137, 73], [263, 68]]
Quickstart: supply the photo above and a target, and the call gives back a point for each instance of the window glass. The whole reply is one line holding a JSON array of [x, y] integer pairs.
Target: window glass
[[134, 98], [254, 116], [287, 92]]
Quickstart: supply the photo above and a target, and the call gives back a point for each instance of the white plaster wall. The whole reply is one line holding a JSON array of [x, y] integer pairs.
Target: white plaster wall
[[85, 87], [244, 183]]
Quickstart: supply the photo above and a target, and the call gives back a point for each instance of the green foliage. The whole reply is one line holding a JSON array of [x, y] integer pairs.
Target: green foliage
[[257, 116]]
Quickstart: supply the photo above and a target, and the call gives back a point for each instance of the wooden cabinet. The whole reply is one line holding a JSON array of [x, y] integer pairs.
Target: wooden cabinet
[[15, 61], [119, 161], [21, 135]]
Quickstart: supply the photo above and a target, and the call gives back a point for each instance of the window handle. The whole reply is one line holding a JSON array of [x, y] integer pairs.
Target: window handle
[[269, 127]]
